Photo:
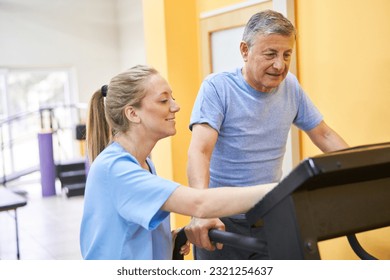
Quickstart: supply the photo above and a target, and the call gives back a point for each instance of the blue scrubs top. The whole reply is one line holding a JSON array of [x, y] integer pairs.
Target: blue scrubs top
[[122, 219]]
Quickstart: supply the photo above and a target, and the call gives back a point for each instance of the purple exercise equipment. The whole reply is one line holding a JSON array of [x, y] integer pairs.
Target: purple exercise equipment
[[46, 163]]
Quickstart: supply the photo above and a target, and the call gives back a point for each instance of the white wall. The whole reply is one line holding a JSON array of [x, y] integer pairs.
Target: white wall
[[131, 33], [98, 38]]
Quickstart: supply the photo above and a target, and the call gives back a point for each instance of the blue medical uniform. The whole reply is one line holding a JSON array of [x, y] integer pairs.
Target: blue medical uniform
[[122, 219]]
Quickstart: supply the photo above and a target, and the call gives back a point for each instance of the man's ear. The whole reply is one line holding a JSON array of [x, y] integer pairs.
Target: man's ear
[[132, 114], [244, 50]]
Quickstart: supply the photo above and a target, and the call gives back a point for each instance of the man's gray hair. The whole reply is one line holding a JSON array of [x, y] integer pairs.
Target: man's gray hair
[[267, 22]]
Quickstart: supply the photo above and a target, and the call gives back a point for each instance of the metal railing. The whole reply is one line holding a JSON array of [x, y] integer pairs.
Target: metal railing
[[19, 154]]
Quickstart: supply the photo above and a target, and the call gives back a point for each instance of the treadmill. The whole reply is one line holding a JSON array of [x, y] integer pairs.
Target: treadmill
[[326, 196]]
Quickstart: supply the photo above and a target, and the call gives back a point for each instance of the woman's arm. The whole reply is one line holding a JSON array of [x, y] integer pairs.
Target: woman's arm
[[215, 202]]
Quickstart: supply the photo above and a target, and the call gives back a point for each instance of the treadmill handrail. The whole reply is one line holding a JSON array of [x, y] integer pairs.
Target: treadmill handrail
[[236, 240]]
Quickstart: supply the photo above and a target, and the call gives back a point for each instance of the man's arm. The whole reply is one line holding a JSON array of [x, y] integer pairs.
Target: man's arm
[[202, 144], [326, 139]]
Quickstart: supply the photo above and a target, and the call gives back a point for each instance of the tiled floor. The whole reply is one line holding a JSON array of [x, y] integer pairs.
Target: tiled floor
[[48, 226]]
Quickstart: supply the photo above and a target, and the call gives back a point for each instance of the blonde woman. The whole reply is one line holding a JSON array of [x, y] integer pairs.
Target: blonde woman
[[127, 206]]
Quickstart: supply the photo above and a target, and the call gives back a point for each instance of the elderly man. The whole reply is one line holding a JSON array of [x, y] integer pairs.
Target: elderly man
[[240, 123]]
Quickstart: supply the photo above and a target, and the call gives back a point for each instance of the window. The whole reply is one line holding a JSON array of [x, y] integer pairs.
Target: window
[[32, 100]]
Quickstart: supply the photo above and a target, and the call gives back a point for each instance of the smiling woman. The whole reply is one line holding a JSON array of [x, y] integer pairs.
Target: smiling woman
[[126, 205], [157, 110]]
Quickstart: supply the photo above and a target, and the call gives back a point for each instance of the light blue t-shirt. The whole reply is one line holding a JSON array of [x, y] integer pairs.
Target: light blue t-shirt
[[122, 219], [252, 126]]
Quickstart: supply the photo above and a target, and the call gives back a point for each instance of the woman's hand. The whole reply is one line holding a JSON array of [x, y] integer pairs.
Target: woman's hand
[[186, 248]]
